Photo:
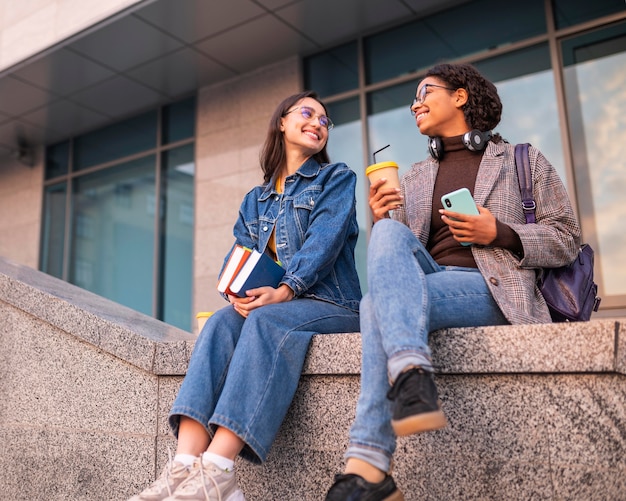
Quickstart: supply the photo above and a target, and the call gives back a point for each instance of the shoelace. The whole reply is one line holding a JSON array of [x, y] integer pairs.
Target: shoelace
[[170, 460], [164, 478], [217, 487]]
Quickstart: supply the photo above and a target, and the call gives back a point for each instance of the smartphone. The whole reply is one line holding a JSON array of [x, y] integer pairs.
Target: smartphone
[[460, 201]]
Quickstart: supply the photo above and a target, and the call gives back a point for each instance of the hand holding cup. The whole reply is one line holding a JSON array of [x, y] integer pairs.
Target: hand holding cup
[[384, 183]]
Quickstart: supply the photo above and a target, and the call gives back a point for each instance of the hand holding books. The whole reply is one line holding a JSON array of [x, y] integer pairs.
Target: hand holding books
[[248, 269]]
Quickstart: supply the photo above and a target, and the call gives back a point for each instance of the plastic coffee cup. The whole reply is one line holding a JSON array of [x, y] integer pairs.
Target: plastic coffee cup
[[202, 317], [388, 170]]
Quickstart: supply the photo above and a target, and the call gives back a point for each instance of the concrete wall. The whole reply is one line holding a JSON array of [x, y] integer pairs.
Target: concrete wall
[[28, 27], [535, 412], [84, 385]]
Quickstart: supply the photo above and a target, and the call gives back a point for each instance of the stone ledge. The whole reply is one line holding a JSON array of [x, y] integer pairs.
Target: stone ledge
[[162, 349], [136, 338], [594, 346]]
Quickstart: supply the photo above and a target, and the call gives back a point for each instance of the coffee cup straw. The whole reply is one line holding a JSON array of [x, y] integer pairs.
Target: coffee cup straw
[[378, 151]]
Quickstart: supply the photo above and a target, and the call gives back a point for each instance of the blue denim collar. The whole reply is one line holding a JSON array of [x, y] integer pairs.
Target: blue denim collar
[[310, 169]]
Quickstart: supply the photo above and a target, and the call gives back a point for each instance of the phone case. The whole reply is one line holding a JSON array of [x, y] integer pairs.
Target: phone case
[[461, 201]]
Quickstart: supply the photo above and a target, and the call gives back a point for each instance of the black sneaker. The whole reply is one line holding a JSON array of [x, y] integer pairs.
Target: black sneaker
[[352, 487], [415, 405]]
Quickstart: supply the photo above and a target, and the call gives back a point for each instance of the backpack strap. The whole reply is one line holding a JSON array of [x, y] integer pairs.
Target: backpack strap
[[524, 176]]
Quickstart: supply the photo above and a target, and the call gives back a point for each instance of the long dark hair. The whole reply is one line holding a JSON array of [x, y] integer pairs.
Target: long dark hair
[[273, 155], [483, 109]]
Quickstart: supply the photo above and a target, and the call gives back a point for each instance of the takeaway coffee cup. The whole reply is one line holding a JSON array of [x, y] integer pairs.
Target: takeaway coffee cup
[[202, 317], [387, 170]]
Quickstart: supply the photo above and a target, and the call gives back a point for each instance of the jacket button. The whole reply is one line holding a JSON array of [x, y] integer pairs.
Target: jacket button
[[493, 280], [276, 197], [264, 228]]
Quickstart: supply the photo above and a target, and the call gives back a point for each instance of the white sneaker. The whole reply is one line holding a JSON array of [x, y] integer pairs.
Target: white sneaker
[[172, 476], [208, 482]]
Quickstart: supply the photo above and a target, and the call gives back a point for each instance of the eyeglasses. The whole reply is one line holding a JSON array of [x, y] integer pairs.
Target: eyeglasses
[[309, 114], [421, 95]]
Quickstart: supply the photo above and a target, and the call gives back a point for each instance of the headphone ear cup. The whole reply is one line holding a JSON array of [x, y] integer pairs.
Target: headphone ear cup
[[476, 140], [435, 147]]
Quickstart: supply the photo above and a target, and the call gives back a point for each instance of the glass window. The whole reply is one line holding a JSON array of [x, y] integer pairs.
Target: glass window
[[594, 74], [177, 184], [57, 159], [445, 36], [113, 233], [570, 12], [391, 123], [116, 228], [119, 140], [345, 145], [523, 77], [179, 121], [333, 71], [53, 230]]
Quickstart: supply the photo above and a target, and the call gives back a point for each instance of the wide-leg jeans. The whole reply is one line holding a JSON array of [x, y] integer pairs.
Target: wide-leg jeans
[[409, 296], [243, 373]]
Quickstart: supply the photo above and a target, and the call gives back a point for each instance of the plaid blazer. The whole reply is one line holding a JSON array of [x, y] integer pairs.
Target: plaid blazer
[[552, 242]]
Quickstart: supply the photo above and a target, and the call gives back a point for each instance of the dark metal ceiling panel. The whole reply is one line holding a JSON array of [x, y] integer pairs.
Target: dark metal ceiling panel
[[118, 97], [348, 17], [193, 20], [18, 97], [276, 4], [63, 118], [63, 72], [255, 44], [125, 44], [180, 73]]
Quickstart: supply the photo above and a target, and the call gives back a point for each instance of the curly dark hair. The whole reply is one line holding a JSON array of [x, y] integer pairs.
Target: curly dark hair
[[273, 155], [483, 109]]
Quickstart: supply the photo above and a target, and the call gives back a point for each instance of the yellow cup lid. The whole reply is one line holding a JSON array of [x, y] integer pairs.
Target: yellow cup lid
[[203, 314], [380, 165]]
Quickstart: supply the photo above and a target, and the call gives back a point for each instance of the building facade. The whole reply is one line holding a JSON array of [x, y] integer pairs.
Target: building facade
[[130, 131]]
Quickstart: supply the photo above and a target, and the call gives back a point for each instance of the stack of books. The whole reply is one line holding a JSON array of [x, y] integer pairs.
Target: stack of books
[[248, 269]]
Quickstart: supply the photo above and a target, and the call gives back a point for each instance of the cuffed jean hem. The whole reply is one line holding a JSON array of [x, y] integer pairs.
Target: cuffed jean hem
[[255, 455], [177, 412], [400, 361], [371, 455], [252, 451]]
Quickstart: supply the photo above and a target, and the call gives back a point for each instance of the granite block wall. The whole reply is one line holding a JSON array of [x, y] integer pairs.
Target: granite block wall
[[535, 412]]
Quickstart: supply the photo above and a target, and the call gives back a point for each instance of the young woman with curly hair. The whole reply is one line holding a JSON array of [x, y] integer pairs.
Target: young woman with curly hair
[[430, 268]]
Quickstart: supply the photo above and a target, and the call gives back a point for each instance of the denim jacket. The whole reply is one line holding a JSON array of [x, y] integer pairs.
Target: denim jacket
[[316, 230]]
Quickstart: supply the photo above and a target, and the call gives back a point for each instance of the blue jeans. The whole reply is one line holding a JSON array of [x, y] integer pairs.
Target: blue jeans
[[409, 296], [243, 373]]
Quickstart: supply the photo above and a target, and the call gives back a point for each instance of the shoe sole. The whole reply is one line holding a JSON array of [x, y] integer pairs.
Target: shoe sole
[[236, 496], [427, 421]]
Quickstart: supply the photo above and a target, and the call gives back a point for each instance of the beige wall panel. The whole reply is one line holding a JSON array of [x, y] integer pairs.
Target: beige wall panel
[[20, 211], [30, 26], [231, 128]]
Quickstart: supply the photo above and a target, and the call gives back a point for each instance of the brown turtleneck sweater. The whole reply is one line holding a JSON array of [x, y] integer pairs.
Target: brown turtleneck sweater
[[458, 169]]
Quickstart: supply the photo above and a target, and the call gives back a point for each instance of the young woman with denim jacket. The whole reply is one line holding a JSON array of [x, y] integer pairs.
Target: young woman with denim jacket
[[247, 361], [417, 256]]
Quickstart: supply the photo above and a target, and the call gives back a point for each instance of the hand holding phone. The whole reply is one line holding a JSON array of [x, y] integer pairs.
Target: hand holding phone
[[460, 201]]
